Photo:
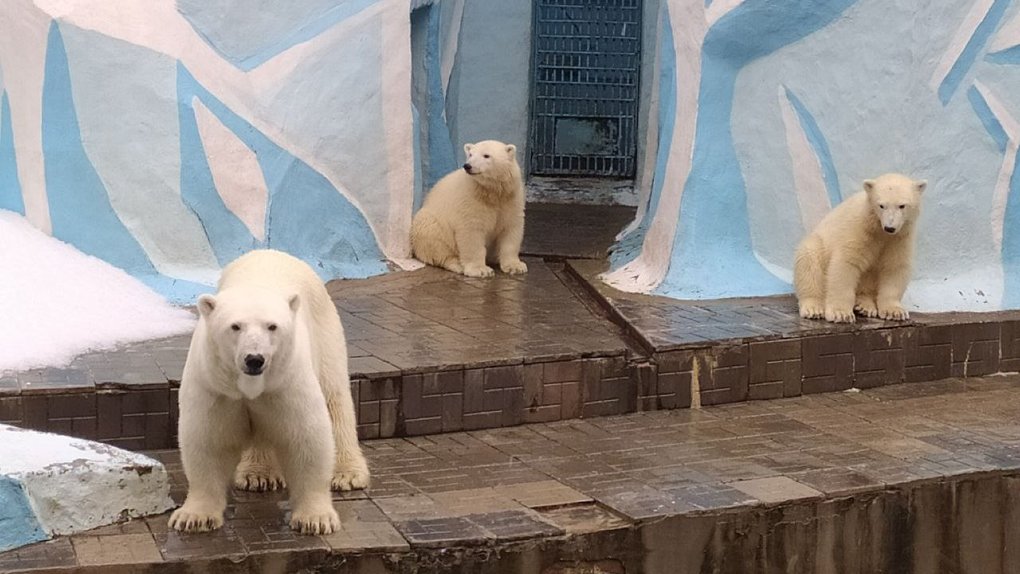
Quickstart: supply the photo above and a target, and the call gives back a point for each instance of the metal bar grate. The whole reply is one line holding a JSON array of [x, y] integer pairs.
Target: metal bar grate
[[587, 62]]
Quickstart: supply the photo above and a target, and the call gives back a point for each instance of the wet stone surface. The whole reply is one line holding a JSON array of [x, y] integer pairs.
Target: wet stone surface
[[573, 478]]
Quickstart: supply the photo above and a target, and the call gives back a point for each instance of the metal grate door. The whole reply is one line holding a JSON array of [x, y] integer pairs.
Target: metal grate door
[[587, 60]]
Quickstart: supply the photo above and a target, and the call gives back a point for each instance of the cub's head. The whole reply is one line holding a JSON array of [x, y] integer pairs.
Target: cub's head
[[490, 159], [250, 330], [895, 199]]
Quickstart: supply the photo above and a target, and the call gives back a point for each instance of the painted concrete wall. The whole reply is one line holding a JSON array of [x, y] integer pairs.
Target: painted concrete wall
[[489, 91], [771, 112], [169, 137]]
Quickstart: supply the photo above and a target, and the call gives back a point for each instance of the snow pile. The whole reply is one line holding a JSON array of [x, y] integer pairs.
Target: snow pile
[[56, 302]]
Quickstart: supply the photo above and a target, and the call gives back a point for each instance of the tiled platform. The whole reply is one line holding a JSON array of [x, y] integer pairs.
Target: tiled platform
[[573, 231], [744, 349], [436, 352], [430, 352], [862, 482]]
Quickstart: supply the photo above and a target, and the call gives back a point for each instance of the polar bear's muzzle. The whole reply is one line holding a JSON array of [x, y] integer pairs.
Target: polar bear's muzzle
[[254, 365]]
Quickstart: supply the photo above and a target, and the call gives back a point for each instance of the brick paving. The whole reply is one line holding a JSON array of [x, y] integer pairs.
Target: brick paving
[[590, 234], [734, 350], [434, 352], [546, 481]]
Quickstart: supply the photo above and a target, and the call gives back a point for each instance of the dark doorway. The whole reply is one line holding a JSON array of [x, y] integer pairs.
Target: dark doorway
[[587, 66]]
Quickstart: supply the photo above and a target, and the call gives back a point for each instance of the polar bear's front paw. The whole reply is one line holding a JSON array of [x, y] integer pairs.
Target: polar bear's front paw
[[866, 307], [839, 314], [893, 312], [514, 267], [258, 478], [478, 271], [812, 310], [350, 478], [315, 520], [195, 518]]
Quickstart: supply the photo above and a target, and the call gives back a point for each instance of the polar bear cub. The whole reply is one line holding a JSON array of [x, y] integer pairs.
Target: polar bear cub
[[266, 384], [859, 256], [474, 215]]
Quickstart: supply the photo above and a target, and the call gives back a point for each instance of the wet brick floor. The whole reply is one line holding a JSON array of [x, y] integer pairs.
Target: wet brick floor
[[573, 231], [501, 485]]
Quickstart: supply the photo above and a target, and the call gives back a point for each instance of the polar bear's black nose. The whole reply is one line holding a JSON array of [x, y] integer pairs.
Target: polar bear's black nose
[[253, 364], [890, 229], [467, 167]]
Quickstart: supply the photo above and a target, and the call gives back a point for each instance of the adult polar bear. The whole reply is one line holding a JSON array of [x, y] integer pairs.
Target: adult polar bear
[[266, 377], [859, 257], [474, 215]]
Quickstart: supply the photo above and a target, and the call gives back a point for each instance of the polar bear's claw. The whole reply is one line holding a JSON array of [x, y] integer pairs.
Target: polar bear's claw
[[866, 308], [839, 315], [893, 313], [355, 479], [514, 267], [315, 521], [478, 271], [254, 480], [186, 520]]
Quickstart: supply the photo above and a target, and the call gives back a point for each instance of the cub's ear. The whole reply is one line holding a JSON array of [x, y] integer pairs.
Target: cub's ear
[[294, 302], [920, 186], [869, 186], [206, 305], [511, 150], [468, 148]]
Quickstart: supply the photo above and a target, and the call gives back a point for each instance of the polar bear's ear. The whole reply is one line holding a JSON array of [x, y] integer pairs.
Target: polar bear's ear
[[294, 302], [511, 149], [206, 304], [468, 148], [920, 186], [869, 186]]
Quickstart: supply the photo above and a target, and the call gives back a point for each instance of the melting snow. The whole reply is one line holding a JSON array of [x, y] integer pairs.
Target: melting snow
[[57, 302]]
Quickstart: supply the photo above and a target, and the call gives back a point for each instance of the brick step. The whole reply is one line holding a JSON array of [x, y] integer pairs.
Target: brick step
[[870, 482], [433, 352]]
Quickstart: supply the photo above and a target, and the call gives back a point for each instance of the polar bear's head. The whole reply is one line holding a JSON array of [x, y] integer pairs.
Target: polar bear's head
[[491, 159], [895, 199], [250, 330]]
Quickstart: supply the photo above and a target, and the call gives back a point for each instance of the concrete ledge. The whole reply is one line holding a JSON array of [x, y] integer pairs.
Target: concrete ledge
[[57, 485]]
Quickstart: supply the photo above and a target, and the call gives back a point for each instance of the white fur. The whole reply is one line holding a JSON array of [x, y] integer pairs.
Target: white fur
[[474, 215], [294, 421], [859, 256]]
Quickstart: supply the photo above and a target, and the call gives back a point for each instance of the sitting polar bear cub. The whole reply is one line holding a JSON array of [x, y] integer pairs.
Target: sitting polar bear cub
[[859, 257], [266, 379], [474, 215]]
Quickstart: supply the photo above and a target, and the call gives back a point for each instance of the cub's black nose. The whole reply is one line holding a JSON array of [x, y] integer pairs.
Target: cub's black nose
[[253, 364], [890, 229], [467, 167]]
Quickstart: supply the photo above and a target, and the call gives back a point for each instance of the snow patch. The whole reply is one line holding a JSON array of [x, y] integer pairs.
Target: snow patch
[[57, 302]]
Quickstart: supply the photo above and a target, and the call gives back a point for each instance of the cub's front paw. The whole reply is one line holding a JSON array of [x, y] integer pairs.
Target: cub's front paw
[[478, 271], [195, 518], [812, 310], [893, 312], [315, 520], [515, 267], [839, 314], [866, 308]]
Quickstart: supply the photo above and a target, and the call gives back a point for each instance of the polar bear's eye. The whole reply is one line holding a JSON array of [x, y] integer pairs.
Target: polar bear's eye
[[903, 206], [486, 156], [881, 206], [272, 327], [235, 327]]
